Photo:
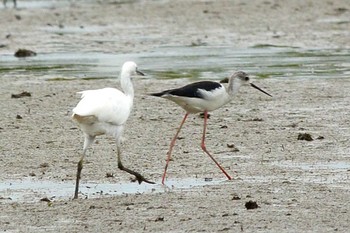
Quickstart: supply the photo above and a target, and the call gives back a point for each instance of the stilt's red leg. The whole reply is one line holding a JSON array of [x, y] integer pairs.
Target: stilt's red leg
[[172, 144], [205, 149]]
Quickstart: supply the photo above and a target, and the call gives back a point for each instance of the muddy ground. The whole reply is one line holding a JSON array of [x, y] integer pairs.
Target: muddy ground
[[299, 185]]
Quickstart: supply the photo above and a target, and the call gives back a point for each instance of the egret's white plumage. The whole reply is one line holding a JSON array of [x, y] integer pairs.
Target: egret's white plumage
[[105, 111], [101, 111], [204, 96]]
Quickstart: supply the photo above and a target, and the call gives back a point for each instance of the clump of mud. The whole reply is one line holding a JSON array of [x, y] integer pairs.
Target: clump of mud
[[251, 205], [25, 53], [305, 136]]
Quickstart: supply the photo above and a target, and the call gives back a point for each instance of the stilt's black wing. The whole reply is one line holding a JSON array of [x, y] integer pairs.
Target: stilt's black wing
[[191, 90]]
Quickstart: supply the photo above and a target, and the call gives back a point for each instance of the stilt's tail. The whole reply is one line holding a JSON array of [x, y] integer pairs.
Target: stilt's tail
[[159, 94]]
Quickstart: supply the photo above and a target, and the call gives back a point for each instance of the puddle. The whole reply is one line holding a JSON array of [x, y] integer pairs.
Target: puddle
[[29, 190], [49, 4], [194, 62], [38, 4]]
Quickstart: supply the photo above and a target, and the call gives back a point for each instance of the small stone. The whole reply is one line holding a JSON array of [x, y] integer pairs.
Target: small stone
[[24, 53], [20, 95], [43, 165], [45, 199], [251, 205], [305, 137], [225, 80], [232, 147], [236, 197], [159, 219]]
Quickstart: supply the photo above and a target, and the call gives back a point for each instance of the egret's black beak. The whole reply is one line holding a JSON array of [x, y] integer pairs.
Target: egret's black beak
[[139, 73], [260, 89]]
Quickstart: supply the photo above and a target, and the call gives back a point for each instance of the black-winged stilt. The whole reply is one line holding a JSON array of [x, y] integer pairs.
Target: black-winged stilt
[[204, 96]]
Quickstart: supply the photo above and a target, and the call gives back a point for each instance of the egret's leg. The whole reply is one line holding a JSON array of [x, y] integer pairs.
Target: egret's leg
[[87, 142], [172, 144], [138, 176], [205, 149]]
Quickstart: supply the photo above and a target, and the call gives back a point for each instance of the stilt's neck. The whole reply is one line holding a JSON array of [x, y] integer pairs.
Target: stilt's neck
[[126, 84], [233, 86]]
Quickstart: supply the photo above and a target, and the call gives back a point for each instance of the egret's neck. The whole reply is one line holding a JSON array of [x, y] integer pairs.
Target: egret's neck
[[126, 84]]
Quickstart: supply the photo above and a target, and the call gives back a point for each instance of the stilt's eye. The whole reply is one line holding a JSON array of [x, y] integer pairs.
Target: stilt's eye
[[246, 78]]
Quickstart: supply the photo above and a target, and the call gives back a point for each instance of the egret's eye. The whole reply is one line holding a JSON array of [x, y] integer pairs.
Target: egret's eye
[[246, 78]]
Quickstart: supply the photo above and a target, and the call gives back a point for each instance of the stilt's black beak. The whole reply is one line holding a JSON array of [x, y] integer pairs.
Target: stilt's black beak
[[260, 89], [139, 72]]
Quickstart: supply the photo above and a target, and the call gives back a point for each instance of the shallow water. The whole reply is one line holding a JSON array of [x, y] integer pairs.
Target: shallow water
[[194, 62], [37, 4], [41, 4], [31, 190]]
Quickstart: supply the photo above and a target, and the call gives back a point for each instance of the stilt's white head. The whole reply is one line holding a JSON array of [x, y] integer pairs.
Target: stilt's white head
[[239, 79]]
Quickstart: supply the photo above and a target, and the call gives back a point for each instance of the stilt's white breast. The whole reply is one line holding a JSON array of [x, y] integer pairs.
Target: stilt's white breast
[[209, 100]]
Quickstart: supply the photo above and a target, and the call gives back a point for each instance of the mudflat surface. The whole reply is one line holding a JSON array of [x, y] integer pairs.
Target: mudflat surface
[[299, 186]]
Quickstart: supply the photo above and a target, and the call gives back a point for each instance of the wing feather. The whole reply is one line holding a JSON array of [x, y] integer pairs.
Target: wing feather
[[107, 105]]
